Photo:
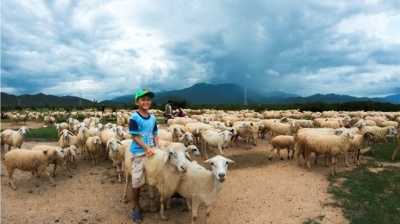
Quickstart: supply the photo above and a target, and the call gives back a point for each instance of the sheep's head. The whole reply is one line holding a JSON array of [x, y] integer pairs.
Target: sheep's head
[[219, 167], [177, 156], [392, 130]]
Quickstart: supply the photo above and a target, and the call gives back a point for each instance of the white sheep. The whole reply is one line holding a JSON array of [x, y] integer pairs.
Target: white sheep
[[169, 136], [93, 147], [244, 130], [116, 152], [202, 185], [66, 137], [327, 144], [61, 126], [355, 146], [164, 171], [29, 160], [58, 159], [192, 149], [281, 142], [108, 133], [80, 139], [13, 138], [215, 139], [379, 133]]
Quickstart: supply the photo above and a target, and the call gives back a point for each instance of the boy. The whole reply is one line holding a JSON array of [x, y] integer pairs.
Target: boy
[[143, 127]]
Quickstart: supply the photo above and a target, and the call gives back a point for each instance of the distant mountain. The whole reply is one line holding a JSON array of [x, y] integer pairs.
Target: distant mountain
[[330, 98], [395, 99], [42, 100], [278, 94], [201, 93]]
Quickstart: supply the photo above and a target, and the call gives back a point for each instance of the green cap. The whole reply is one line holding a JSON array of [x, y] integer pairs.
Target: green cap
[[143, 92]]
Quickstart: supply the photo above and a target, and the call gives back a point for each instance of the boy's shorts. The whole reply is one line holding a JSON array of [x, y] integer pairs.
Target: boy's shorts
[[138, 175]]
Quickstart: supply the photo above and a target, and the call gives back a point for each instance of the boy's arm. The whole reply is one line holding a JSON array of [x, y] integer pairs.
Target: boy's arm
[[155, 139], [148, 149]]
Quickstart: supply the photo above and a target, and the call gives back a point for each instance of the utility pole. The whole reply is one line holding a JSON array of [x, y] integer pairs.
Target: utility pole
[[245, 96]]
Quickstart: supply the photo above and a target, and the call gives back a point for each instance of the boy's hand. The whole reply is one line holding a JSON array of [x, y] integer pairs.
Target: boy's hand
[[149, 151]]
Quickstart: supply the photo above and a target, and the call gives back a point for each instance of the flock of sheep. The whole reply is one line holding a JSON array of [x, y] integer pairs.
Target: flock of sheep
[[171, 170]]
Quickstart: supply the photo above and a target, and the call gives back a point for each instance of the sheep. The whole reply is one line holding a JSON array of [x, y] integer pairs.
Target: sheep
[[190, 148], [80, 139], [65, 138], [116, 154], [356, 144], [93, 146], [164, 171], [328, 144], [13, 138], [246, 131], [196, 128], [202, 185], [280, 142], [379, 133], [113, 132], [215, 139], [289, 128], [58, 160], [169, 136], [29, 160], [61, 126]]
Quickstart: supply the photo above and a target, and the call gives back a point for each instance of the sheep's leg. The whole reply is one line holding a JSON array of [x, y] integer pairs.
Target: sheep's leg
[[316, 158], [66, 170], [188, 207], [345, 159], [54, 170], [195, 206], [119, 173], [333, 165], [270, 154], [162, 208], [208, 211], [47, 173], [307, 161], [127, 182], [220, 150], [152, 199], [396, 150], [95, 159], [10, 180], [279, 153], [326, 160]]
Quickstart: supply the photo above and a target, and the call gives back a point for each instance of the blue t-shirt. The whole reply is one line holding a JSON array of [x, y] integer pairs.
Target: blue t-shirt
[[145, 127]]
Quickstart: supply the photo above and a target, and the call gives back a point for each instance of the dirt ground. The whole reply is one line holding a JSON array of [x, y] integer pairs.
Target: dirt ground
[[257, 190]]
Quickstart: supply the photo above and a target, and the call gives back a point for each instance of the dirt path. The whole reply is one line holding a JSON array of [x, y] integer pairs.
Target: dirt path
[[256, 191]]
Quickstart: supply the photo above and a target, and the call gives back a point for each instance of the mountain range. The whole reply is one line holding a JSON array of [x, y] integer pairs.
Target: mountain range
[[201, 93]]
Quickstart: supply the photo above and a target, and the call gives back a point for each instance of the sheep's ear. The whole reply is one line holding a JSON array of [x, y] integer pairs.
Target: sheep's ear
[[70, 133], [209, 161], [94, 140], [60, 152], [59, 135], [119, 142], [72, 151], [188, 156], [167, 155], [230, 161]]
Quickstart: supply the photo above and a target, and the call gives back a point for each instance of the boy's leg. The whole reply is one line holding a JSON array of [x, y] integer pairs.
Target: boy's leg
[[136, 196]]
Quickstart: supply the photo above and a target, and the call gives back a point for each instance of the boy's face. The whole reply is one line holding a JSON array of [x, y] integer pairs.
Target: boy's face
[[144, 102]]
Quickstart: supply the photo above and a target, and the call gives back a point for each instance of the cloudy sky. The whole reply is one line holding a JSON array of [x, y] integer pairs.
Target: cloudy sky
[[101, 49]]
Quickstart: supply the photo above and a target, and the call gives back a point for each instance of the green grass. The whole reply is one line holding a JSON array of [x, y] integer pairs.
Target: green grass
[[47, 133], [369, 197]]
